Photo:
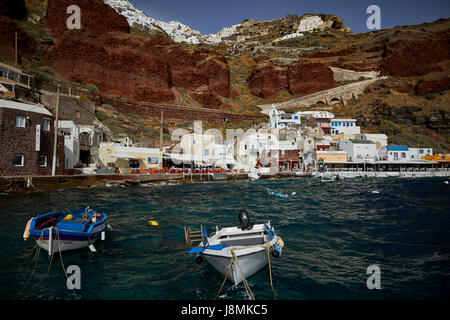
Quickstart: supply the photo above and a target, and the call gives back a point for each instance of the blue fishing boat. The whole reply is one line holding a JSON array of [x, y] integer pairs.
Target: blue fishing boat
[[58, 231], [276, 193]]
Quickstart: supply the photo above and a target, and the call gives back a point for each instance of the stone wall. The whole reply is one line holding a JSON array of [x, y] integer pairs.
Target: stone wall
[[22, 141]]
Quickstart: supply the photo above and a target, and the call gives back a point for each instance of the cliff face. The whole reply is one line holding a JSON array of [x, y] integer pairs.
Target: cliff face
[[139, 65], [103, 53], [302, 78], [407, 57]]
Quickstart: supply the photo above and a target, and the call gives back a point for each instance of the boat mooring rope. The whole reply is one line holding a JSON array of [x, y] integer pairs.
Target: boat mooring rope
[[224, 280], [267, 246], [242, 275], [62, 262], [270, 271], [35, 264], [57, 239]]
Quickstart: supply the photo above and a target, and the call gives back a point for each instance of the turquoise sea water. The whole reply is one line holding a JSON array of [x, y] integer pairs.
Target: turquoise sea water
[[332, 232]]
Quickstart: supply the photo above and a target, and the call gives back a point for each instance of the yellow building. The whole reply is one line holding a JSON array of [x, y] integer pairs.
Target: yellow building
[[331, 156], [114, 155]]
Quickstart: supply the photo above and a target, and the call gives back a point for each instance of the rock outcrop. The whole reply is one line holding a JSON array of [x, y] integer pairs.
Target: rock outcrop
[[104, 54], [303, 78]]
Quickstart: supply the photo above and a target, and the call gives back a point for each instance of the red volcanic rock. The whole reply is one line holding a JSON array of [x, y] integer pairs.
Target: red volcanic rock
[[365, 65], [432, 86], [202, 67], [265, 81], [303, 78], [418, 56], [306, 78], [261, 58], [25, 43], [96, 16], [326, 54], [118, 63], [207, 98], [121, 71]]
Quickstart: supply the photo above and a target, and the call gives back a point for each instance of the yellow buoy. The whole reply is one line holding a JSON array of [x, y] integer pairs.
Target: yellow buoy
[[153, 223], [68, 217]]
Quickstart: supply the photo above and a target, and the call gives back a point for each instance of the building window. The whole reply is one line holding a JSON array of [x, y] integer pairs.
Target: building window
[[20, 121], [206, 152], [42, 161], [77, 115], [18, 160], [420, 151], [46, 124], [403, 155]]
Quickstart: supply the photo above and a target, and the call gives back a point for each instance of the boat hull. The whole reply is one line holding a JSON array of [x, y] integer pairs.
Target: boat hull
[[248, 263], [64, 245], [69, 241]]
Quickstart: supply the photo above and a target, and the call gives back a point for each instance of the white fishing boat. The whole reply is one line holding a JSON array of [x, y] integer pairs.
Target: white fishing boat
[[236, 252]]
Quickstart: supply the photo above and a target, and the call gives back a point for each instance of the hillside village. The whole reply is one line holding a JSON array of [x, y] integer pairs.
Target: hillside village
[[284, 114], [302, 141]]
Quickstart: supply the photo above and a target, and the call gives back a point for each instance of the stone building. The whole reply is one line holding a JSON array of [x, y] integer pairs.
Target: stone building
[[26, 140]]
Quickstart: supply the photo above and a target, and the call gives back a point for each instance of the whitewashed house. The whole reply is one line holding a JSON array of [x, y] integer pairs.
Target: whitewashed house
[[359, 150], [398, 153], [71, 133], [418, 153], [345, 127]]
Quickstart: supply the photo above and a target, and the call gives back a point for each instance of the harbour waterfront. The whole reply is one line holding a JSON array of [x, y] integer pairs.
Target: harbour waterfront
[[332, 232]]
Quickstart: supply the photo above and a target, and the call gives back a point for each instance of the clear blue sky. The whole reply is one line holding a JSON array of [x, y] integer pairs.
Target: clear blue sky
[[209, 16]]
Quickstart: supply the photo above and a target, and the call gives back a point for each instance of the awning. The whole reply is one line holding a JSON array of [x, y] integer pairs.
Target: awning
[[124, 156]]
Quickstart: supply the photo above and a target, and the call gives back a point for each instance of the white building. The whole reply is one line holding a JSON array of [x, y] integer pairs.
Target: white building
[[292, 35], [418, 153], [381, 140], [359, 150], [346, 127], [203, 149], [71, 134], [397, 153], [114, 155], [280, 119], [310, 23]]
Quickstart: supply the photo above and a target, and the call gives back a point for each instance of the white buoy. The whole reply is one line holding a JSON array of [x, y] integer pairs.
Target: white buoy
[[92, 248], [102, 235], [110, 228], [293, 193]]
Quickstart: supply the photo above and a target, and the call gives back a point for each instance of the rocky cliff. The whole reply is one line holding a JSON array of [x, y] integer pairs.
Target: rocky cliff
[[130, 65]]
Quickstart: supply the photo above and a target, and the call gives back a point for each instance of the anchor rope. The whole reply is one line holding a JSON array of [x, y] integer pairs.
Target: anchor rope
[[62, 262], [35, 264], [242, 275], [225, 279], [267, 246]]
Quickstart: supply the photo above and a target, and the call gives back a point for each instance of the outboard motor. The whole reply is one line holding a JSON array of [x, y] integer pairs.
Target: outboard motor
[[244, 219]]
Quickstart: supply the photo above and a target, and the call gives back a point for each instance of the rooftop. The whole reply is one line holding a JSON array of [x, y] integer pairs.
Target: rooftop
[[38, 108], [398, 148]]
